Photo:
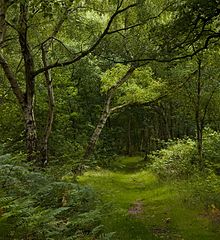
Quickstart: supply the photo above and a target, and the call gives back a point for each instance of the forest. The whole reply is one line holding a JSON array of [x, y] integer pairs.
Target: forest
[[109, 119]]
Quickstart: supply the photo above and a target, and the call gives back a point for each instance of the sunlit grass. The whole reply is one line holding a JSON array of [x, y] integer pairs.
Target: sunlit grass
[[166, 211]]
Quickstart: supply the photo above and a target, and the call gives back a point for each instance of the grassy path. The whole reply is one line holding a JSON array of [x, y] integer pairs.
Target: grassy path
[[142, 208]]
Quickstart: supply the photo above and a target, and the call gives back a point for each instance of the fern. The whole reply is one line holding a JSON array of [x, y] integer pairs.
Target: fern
[[35, 205]]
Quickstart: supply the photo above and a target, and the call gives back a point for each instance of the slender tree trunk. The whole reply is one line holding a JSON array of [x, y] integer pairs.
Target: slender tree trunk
[[95, 136], [171, 120], [30, 123], [49, 84], [106, 113], [200, 143], [31, 133], [51, 105], [129, 152], [198, 117], [25, 100], [3, 9]]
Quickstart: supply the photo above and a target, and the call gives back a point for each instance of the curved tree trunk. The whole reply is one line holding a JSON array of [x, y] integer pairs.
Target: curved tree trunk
[[106, 113], [95, 136]]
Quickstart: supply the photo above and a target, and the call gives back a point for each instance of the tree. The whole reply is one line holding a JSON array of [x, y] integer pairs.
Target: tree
[[201, 90], [22, 26], [140, 88]]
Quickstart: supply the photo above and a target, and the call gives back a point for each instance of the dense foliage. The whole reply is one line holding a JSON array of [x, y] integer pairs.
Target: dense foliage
[[35, 205], [83, 83], [179, 159]]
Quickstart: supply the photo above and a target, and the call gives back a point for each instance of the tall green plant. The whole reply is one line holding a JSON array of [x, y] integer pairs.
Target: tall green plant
[[34, 205]]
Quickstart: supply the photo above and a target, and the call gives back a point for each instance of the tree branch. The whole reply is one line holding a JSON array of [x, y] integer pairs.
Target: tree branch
[[204, 47], [89, 50], [127, 75], [4, 64], [114, 109], [12, 80], [139, 24]]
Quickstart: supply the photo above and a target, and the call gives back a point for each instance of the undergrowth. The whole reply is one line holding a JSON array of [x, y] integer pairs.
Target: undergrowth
[[35, 205]]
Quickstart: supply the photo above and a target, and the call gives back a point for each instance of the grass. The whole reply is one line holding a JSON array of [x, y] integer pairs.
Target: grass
[[165, 212]]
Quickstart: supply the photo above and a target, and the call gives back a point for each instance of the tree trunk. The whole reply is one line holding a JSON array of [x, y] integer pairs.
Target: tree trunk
[[51, 105], [129, 152], [198, 117], [3, 9], [95, 136], [199, 143], [25, 100], [50, 118], [49, 84], [30, 123], [106, 112], [31, 133]]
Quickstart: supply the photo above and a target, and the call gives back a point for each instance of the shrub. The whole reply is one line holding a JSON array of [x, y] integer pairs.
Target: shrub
[[176, 160], [211, 148]]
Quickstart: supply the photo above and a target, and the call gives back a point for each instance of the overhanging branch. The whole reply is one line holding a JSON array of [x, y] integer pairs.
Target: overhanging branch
[[89, 50], [204, 47], [139, 24]]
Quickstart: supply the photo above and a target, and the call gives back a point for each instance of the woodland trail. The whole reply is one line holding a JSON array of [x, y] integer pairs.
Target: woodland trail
[[140, 207]]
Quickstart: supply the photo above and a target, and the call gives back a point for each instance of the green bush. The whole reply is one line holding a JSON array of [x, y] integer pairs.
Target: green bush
[[179, 161], [34, 205], [176, 161], [211, 148]]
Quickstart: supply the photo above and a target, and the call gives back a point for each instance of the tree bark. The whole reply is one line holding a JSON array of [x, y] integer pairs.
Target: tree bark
[[198, 117], [31, 132], [106, 113], [30, 123], [51, 106], [95, 136], [129, 153], [3, 9], [26, 101], [49, 85]]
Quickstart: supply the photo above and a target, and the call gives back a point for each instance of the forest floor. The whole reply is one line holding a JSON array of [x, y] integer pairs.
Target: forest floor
[[139, 206]]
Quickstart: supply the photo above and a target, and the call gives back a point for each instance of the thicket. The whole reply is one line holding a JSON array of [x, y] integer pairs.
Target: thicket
[[179, 161]]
